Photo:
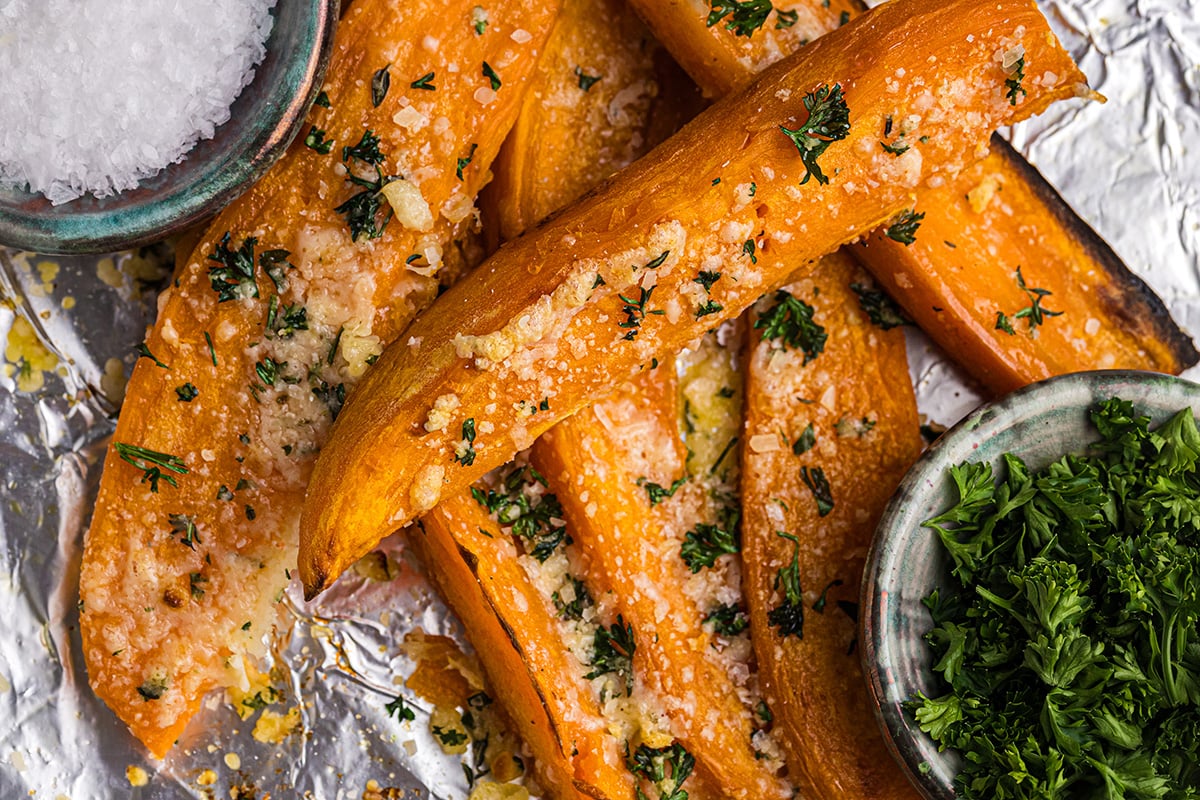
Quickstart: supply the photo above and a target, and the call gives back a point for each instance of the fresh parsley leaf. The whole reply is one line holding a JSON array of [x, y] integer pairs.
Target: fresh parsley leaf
[[1013, 83], [186, 392], [425, 82], [828, 121], [656, 493], [492, 77], [817, 483], [613, 653], [879, 308], [399, 709], [234, 278], [465, 454], [789, 321], [788, 616], [586, 81], [381, 81], [705, 543], [728, 620], [315, 140], [665, 767], [904, 227], [745, 17]]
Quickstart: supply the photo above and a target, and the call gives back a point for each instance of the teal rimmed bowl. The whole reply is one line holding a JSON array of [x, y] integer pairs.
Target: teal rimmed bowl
[[265, 118], [1039, 423]]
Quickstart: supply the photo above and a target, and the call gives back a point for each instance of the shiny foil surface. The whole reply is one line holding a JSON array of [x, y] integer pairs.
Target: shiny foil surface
[[1130, 167]]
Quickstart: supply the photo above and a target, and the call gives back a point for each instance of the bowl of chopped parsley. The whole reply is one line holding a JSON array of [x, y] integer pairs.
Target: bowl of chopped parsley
[[1032, 597]]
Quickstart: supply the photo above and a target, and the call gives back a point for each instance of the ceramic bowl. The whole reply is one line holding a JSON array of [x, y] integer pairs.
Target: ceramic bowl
[[1039, 423], [266, 116]]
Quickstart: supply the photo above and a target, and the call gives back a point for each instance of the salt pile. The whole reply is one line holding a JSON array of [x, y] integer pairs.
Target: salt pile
[[98, 94]]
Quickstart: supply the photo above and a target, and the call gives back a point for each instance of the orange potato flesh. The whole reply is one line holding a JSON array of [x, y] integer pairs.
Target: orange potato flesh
[[998, 215], [532, 323], [174, 619], [536, 681], [555, 152], [593, 462], [1110, 318], [814, 685]]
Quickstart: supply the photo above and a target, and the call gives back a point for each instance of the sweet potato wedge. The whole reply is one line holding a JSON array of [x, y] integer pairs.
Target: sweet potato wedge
[[977, 227], [288, 297], [565, 313], [959, 281], [831, 426], [607, 465], [537, 680]]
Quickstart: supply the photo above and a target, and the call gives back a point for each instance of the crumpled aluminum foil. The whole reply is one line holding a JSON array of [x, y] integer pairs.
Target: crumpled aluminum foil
[[1131, 168]]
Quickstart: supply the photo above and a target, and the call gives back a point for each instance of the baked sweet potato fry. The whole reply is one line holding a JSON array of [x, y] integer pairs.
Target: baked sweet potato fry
[[975, 229], [566, 313], [288, 297], [831, 426], [992, 240]]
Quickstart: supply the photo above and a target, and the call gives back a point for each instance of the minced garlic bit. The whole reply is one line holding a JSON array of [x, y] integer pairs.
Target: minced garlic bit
[[273, 728], [427, 488], [442, 412], [487, 790], [411, 208], [136, 776]]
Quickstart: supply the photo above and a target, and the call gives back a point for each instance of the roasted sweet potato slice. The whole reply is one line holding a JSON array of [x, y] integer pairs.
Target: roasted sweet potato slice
[[565, 313], [831, 426], [287, 298], [991, 241]]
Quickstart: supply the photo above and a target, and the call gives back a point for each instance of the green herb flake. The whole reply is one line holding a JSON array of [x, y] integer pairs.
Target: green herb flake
[[322, 100], [667, 768], [479, 20], [464, 162], [1003, 323], [234, 278], [805, 441], [586, 81], [828, 121], [535, 517], [818, 484], [143, 351], [748, 248], [710, 307], [707, 279], [491, 75], [904, 227], [745, 17], [1013, 82], [381, 81], [789, 321], [184, 525], [580, 599], [656, 493], [612, 653], [879, 307], [788, 616], [728, 620], [785, 19], [315, 140], [425, 82], [152, 464], [399, 709], [153, 688], [895, 149], [212, 353], [186, 393], [465, 453], [705, 543]]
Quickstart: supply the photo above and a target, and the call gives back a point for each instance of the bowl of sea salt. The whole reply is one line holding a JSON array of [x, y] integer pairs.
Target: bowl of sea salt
[[123, 121]]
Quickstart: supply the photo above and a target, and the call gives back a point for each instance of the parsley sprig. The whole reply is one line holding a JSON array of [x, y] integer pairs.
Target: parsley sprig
[[613, 652], [1067, 640], [828, 121], [665, 767], [789, 321], [745, 17]]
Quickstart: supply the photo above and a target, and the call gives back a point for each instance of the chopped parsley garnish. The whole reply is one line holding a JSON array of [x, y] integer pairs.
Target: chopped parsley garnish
[[1003, 323], [195, 583], [745, 17], [465, 454], [211, 351], [819, 605], [788, 616], [143, 351], [250, 515], [705, 543], [1067, 638], [710, 307], [828, 121], [536, 517], [879, 308], [399, 709], [656, 493], [847, 426], [186, 393], [635, 311], [268, 370], [333, 396], [491, 75], [224, 493], [293, 318], [315, 140], [843, 18], [234, 278], [707, 279], [153, 688], [575, 608], [425, 82], [1013, 82], [272, 262], [817, 483], [613, 653], [151, 463], [450, 738], [665, 767], [463, 162], [185, 526], [790, 322], [1034, 311], [728, 620], [658, 260], [479, 20], [366, 150], [586, 81], [381, 81], [904, 227], [333, 348], [895, 149], [362, 210], [322, 100], [785, 19], [805, 441], [748, 249]]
